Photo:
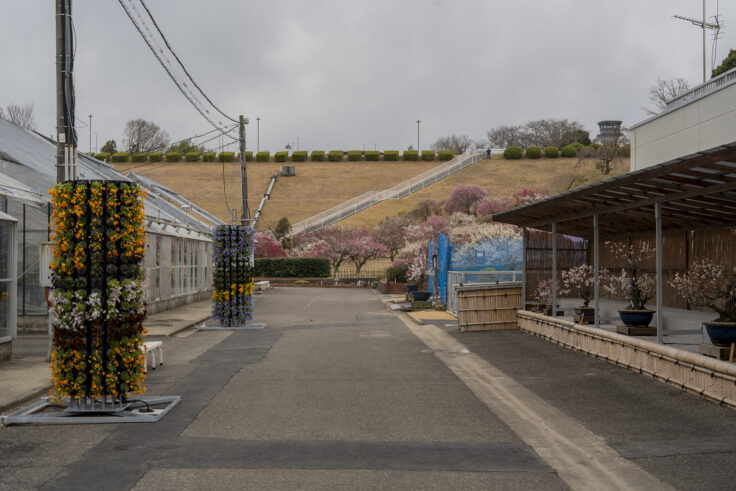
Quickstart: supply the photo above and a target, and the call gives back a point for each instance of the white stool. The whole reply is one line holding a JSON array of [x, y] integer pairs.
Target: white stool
[[153, 348]]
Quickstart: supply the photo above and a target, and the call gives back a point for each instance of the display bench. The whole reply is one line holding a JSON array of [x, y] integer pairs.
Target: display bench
[[8, 289]]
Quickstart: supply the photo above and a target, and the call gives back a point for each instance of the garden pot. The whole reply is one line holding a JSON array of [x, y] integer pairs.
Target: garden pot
[[421, 296], [721, 333], [587, 313], [411, 288], [636, 318]]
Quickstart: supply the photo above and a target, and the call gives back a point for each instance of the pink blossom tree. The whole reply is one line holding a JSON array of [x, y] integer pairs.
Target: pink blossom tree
[[267, 246], [492, 204], [527, 196], [391, 232], [331, 243], [361, 248], [463, 198]]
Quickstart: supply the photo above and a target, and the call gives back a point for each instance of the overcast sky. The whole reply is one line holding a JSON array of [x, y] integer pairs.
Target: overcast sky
[[342, 74]]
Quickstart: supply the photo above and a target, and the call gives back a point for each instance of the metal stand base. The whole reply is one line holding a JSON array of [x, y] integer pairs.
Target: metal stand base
[[46, 412], [216, 326]]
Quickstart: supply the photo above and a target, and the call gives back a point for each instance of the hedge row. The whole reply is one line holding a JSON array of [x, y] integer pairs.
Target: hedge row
[[281, 156], [552, 152], [292, 267]]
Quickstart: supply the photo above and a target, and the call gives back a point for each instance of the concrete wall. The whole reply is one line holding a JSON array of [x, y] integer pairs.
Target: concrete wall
[[700, 125]]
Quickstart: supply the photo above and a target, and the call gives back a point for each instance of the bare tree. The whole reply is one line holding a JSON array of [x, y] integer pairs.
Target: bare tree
[[550, 132], [505, 136], [22, 116], [457, 143], [609, 149], [144, 136], [663, 91]]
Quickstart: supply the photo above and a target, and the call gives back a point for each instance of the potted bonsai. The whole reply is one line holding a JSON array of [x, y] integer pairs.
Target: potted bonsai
[[706, 285], [636, 287], [417, 273], [578, 281], [543, 296]]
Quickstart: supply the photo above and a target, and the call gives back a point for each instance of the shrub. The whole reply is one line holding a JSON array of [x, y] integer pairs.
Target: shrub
[[396, 273], [411, 155], [372, 155], [263, 156], [226, 157], [103, 156], [446, 154], [192, 156], [335, 156], [513, 153], [577, 145], [569, 151], [209, 157], [534, 153], [551, 152], [139, 157], [249, 156], [355, 155], [292, 267], [596, 146], [155, 157], [428, 155], [281, 156], [624, 150], [392, 155], [173, 157], [317, 156], [299, 156], [120, 156]]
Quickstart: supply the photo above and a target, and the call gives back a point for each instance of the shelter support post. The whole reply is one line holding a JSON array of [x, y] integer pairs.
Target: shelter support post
[[596, 267], [523, 267], [554, 269], [660, 285]]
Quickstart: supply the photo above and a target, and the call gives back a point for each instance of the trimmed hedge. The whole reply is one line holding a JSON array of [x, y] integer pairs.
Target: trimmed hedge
[[335, 156], [391, 155], [446, 154], [299, 156], [139, 157], [427, 155], [281, 156], [513, 153], [372, 155], [103, 156], [569, 151], [155, 156], [249, 156], [551, 152], [355, 155], [317, 156], [226, 157], [121, 156], [173, 157], [292, 267], [411, 155], [209, 157], [534, 152], [192, 156], [263, 156]]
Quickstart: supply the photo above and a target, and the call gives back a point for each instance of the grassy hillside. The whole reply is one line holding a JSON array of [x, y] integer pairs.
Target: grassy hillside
[[321, 185]]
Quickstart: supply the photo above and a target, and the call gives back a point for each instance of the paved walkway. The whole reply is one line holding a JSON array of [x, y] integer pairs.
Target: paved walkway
[[338, 392]]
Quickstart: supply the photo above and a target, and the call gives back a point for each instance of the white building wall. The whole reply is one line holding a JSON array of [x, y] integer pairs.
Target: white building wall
[[699, 125]]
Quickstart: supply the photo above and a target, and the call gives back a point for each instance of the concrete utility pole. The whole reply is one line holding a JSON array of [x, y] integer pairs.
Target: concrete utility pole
[[66, 146], [90, 133], [243, 172], [258, 134], [418, 134]]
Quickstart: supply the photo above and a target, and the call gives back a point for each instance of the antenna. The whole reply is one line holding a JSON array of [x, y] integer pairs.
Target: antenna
[[704, 24]]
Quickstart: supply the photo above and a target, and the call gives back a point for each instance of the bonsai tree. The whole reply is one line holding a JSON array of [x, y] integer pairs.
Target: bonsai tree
[[706, 285], [543, 293], [579, 281], [637, 288]]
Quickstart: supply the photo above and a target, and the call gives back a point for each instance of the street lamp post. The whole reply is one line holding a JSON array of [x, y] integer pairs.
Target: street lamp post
[[258, 134], [418, 121], [90, 133]]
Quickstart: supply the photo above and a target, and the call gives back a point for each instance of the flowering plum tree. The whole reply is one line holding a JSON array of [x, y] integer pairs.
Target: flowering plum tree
[[360, 248], [463, 198], [267, 246], [391, 233]]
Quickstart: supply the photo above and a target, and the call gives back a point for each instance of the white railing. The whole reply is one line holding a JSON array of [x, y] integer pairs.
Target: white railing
[[703, 89], [401, 190], [470, 277]]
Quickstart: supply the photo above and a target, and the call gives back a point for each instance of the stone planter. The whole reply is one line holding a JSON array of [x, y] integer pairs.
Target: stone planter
[[721, 333], [636, 318]]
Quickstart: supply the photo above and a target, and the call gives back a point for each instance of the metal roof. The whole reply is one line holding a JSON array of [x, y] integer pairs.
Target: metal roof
[[13, 188], [697, 191]]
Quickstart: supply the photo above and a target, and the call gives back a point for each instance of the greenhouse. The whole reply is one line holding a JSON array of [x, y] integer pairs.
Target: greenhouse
[[178, 233]]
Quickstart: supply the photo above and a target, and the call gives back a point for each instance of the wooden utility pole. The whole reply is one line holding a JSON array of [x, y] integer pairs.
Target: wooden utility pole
[[243, 172]]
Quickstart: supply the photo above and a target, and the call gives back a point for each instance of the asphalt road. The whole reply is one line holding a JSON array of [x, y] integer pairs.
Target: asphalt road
[[337, 392]]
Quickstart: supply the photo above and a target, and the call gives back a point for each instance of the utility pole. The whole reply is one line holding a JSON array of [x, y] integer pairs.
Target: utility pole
[[258, 134], [90, 133], [66, 138], [243, 172], [703, 24], [418, 134]]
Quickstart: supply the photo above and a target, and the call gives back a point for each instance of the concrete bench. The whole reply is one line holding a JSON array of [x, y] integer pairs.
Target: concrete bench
[[156, 350], [261, 286]]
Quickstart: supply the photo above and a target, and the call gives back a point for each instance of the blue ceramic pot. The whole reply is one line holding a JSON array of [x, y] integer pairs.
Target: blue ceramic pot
[[721, 333], [421, 296], [411, 288]]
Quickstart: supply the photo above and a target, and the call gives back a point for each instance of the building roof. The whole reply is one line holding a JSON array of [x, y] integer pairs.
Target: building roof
[[13, 188], [697, 191]]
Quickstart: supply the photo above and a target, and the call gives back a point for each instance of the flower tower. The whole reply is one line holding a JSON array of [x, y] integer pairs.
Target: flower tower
[[233, 275], [97, 298]]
